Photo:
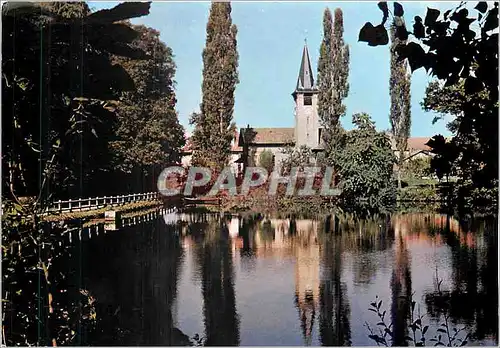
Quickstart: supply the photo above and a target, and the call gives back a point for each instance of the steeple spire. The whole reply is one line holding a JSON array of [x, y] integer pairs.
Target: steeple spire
[[305, 80]]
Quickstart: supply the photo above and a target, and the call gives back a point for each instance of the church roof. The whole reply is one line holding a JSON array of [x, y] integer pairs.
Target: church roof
[[267, 136], [305, 81]]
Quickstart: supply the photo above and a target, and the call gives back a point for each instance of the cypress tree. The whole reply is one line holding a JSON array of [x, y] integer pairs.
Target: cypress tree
[[340, 69], [333, 74], [324, 79], [214, 128], [400, 114]]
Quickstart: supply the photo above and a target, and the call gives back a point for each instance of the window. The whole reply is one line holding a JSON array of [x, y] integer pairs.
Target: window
[[307, 100], [320, 134]]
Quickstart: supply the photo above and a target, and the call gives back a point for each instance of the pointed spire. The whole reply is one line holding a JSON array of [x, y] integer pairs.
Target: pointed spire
[[306, 77]]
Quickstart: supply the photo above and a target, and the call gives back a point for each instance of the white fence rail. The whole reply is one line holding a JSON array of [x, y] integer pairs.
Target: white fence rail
[[100, 202]]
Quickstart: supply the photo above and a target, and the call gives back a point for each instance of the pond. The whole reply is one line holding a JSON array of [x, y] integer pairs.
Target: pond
[[254, 280]]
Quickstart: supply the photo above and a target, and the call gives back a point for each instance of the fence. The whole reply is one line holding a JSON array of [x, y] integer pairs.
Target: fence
[[100, 202]]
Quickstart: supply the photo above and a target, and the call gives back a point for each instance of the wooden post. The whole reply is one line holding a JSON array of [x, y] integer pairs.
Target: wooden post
[[69, 205], [59, 208]]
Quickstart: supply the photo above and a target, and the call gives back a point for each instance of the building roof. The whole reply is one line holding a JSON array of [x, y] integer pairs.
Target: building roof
[[267, 136], [305, 81], [414, 144], [418, 143]]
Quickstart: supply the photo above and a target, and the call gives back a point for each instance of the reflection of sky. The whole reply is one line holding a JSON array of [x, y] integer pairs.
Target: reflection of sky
[[265, 286]]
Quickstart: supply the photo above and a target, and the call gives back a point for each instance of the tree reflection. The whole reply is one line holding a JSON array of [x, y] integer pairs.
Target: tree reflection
[[133, 275], [400, 286], [216, 266], [334, 317], [473, 296]]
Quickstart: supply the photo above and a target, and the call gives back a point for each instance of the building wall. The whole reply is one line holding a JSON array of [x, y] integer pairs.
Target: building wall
[[306, 122], [187, 158], [275, 150]]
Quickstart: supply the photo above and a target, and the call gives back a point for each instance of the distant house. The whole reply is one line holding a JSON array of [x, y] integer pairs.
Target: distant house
[[250, 142], [416, 148]]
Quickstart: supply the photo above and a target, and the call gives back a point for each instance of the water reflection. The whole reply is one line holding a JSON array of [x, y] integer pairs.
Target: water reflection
[[257, 280], [215, 264]]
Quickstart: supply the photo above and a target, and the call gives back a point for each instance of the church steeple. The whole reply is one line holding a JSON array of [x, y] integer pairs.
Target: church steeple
[[305, 81]]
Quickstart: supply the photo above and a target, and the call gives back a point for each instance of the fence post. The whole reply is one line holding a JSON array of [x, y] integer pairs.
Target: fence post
[[69, 205], [79, 204], [59, 208]]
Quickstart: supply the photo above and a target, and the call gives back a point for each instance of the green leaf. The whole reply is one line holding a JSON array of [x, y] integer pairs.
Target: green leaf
[[482, 6], [385, 10], [398, 10], [425, 329], [418, 28], [431, 17]]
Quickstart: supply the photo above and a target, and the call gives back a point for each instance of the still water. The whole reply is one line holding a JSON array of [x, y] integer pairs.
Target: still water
[[254, 280]]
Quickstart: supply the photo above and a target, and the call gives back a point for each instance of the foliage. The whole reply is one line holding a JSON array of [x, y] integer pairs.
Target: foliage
[[52, 104], [299, 158], [266, 160], [333, 73], [400, 115], [149, 135], [214, 129], [416, 167], [418, 193], [465, 60], [365, 165], [444, 336]]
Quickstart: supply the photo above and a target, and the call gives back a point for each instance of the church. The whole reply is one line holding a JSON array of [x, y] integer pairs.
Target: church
[[249, 142]]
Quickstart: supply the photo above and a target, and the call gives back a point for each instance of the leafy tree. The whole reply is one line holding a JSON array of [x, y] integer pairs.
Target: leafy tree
[[266, 160], [365, 165], [149, 135], [58, 87], [417, 167], [77, 9], [214, 128], [400, 114], [450, 48], [333, 73], [58, 92], [325, 74], [299, 158]]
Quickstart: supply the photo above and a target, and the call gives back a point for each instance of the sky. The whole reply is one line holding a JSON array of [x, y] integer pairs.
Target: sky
[[271, 37]]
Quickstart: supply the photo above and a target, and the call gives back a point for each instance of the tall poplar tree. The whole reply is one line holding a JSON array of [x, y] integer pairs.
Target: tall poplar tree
[[333, 74], [214, 128], [400, 115], [325, 76]]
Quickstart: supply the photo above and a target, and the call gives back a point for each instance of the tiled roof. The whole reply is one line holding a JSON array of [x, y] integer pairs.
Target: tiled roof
[[267, 135], [418, 144], [413, 143]]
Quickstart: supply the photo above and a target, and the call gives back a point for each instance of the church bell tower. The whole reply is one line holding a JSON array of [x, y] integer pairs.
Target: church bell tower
[[307, 125]]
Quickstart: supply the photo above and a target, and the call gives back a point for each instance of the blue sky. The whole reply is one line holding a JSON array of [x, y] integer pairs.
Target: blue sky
[[270, 42]]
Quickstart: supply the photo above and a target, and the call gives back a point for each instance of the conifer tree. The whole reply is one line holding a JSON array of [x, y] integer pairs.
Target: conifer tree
[[400, 115], [214, 128], [333, 74], [324, 79]]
